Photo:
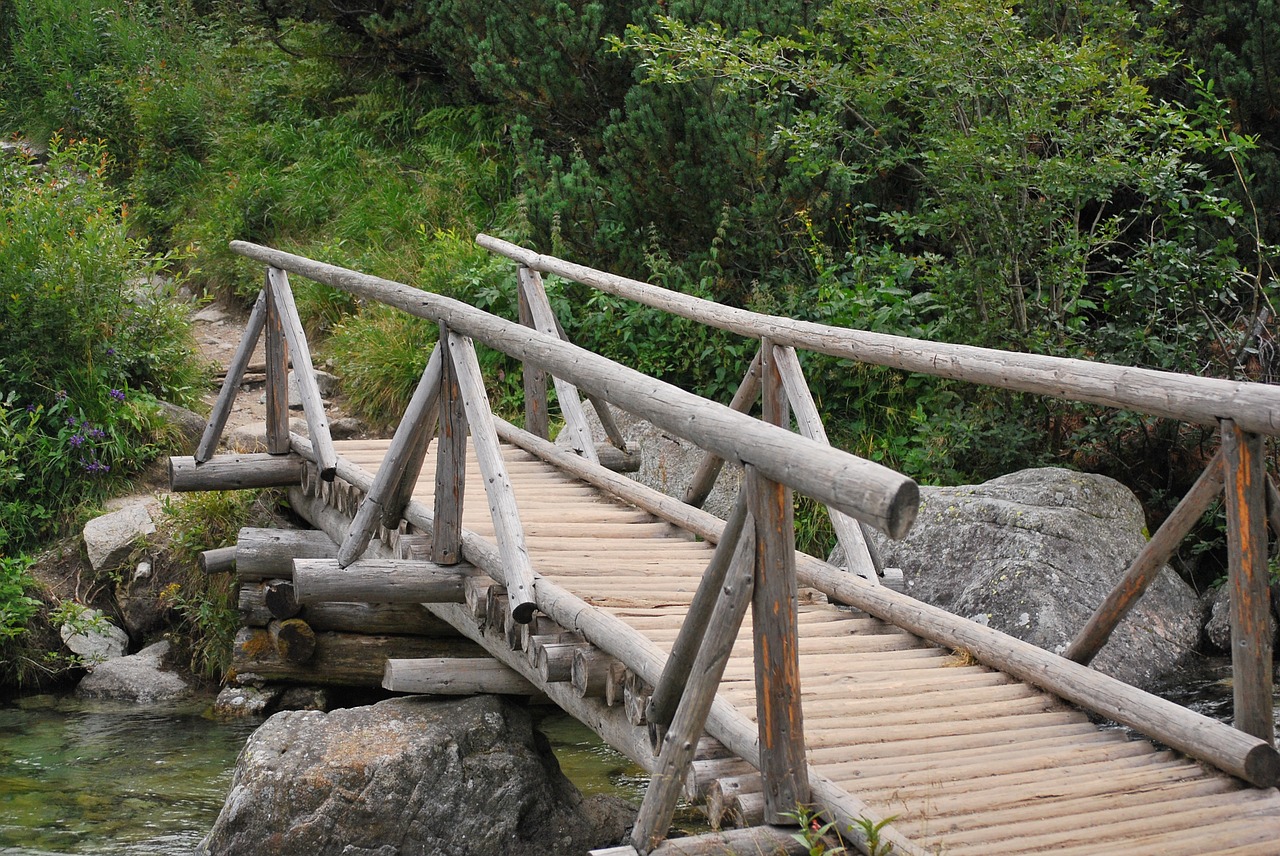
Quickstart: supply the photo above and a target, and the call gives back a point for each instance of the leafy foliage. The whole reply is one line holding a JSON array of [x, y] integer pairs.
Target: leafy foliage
[[88, 339]]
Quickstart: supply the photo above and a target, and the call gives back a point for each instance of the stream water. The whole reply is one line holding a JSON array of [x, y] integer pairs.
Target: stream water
[[82, 777], [79, 777]]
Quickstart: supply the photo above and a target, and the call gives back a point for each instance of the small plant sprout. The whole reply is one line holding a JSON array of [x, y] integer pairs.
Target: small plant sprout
[[815, 833], [870, 831]]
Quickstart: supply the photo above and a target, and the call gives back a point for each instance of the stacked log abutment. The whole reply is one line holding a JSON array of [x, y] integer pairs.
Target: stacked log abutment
[[283, 639]]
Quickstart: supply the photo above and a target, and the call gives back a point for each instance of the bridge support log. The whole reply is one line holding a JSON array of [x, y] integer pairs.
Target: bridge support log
[[339, 659], [293, 638], [776, 841], [1251, 665], [263, 554], [379, 581], [1155, 553], [221, 560], [453, 676], [234, 472], [410, 619]]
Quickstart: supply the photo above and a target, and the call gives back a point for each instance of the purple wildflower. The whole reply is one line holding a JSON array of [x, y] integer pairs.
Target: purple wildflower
[[71, 420], [117, 394], [31, 408], [97, 433], [111, 352], [76, 441], [61, 395]]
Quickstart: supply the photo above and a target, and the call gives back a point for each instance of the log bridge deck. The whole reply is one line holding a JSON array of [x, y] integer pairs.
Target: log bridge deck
[[743, 674]]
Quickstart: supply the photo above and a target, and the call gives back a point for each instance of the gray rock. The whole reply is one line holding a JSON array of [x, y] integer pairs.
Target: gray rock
[[110, 539], [326, 383], [140, 677], [142, 606], [92, 637], [236, 702], [467, 777], [305, 698], [253, 436], [1217, 629], [346, 428], [1033, 553], [187, 425], [667, 462]]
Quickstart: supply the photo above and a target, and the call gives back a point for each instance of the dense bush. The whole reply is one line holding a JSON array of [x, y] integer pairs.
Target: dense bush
[[89, 337]]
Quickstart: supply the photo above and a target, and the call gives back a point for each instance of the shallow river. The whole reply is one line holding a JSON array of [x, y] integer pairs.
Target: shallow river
[[80, 777], [96, 778]]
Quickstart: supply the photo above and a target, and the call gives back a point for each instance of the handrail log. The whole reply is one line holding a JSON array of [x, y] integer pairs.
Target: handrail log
[[863, 489], [1254, 406]]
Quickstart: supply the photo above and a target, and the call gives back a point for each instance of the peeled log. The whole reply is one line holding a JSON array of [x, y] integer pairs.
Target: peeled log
[[380, 581], [263, 554], [235, 472], [452, 676], [219, 561], [340, 659]]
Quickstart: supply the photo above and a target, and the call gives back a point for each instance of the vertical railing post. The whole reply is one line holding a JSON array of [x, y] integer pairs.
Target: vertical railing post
[[775, 623], [535, 379], [277, 391], [451, 462], [1251, 666]]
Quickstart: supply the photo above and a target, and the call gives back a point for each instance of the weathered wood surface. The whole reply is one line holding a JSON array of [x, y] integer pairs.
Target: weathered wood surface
[[293, 639], [379, 581], [451, 460], [858, 551], [744, 398], [403, 458], [263, 554], [710, 658], [303, 372], [231, 382], [857, 718], [1253, 406], [503, 512], [1247, 575], [234, 471], [221, 560], [452, 676], [1164, 721], [339, 659], [544, 321], [860, 488], [277, 372]]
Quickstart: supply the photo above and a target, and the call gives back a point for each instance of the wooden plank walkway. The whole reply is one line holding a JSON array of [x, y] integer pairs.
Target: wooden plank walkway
[[967, 760]]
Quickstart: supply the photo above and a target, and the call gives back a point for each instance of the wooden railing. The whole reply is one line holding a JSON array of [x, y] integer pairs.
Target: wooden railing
[[1244, 414], [754, 565], [754, 562]]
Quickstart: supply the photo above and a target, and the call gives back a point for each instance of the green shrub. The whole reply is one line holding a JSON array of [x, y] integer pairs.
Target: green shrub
[[207, 603], [89, 337]]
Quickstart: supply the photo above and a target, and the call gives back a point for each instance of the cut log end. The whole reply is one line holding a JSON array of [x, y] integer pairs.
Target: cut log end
[[523, 612], [1262, 766], [902, 510]]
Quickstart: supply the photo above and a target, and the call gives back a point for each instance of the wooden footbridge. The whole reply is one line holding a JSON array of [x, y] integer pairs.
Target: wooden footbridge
[[740, 673]]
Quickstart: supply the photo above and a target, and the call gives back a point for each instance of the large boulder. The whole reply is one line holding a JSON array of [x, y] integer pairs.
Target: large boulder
[[1034, 553], [110, 539], [140, 677], [466, 777]]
